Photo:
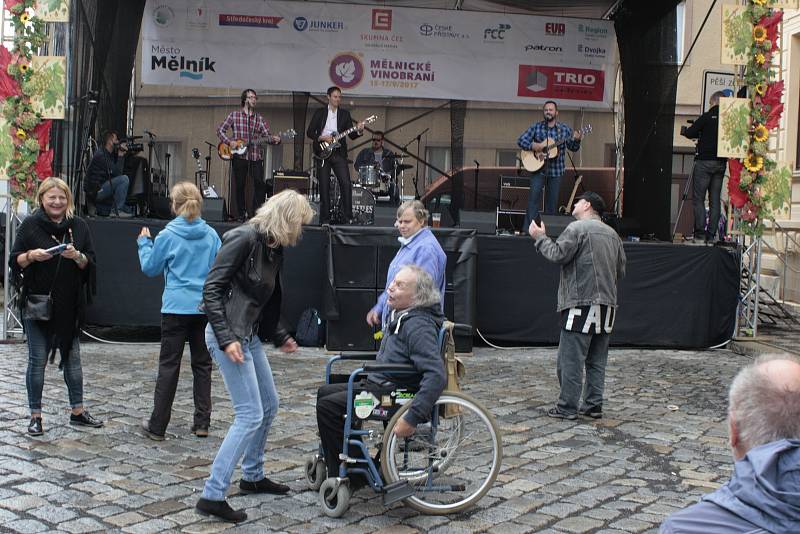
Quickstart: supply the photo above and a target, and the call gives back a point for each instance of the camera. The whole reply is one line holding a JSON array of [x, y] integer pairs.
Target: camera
[[683, 130], [128, 146]]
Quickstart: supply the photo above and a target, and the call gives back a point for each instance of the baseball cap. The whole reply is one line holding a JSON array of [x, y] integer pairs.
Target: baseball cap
[[597, 202]]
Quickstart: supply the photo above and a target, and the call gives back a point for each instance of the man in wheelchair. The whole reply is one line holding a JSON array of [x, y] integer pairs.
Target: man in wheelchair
[[409, 337]]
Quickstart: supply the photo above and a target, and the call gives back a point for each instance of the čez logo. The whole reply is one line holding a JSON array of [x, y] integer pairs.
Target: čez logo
[[496, 33]]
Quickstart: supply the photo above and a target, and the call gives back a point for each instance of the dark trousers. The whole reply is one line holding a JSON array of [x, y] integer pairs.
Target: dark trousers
[[241, 168], [537, 187], [578, 352], [707, 177], [338, 164], [175, 331], [331, 412]]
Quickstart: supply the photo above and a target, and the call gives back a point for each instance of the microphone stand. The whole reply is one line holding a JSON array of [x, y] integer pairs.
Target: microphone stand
[[475, 196]]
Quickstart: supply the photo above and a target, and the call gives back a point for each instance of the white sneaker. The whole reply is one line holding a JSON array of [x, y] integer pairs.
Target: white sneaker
[[124, 215]]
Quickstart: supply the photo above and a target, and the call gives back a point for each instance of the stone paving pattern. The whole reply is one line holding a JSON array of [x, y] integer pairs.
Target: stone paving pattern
[[661, 445]]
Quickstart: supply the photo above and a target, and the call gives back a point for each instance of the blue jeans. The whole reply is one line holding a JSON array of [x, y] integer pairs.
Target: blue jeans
[[535, 197], [708, 176], [255, 403], [114, 192], [37, 360]]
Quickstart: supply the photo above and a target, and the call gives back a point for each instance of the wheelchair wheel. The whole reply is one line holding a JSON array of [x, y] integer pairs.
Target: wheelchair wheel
[[316, 471], [334, 499], [451, 462]]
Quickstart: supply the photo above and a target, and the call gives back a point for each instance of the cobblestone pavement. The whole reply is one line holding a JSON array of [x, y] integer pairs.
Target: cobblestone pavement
[[661, 445]]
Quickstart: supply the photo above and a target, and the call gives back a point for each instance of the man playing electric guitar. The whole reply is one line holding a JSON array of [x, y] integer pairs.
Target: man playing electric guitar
[[536, 138], [250, 127], [324, 125]]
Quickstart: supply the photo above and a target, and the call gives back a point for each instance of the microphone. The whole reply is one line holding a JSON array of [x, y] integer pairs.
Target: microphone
[[422, 132], [475, 161], [148, 132]]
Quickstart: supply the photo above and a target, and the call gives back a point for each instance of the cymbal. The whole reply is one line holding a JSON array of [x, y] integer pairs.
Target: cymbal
[[404, 167]]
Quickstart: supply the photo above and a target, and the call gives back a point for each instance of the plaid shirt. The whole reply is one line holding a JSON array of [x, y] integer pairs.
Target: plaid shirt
[[244, 127], [538, 132]]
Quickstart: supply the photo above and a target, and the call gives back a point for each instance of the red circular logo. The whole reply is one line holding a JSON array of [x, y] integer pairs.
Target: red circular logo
[[346, 70]]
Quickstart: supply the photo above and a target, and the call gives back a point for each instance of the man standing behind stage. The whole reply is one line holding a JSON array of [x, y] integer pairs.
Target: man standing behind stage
[[326, 123], [250, 127], [535, 138], [592, 264]]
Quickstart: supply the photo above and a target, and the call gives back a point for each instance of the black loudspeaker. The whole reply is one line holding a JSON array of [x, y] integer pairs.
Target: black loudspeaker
[[385, 216], [555, 224], [351, 332], [385, 256], [315, 219], [160, 208], [355, 267], [484, 222], [214, 209]]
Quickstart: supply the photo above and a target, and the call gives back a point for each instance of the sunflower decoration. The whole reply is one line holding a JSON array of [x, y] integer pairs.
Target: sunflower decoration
[[754, 162], [760, 2], [760, 133], [24, 18], [761, 89], [760, 58], [759, 33], [21, 134], [23, 67]]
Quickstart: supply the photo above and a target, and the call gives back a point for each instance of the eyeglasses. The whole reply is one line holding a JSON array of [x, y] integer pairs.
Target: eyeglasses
[[376, 140]]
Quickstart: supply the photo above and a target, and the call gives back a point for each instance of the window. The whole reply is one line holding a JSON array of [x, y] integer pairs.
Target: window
[[507, 158], [439, 157], [7, 30]]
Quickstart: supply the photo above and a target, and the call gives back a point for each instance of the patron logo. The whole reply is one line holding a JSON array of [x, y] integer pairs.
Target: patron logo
[[255, 21], [302, 24], [346, 70], [561, 83], [442, 31], [543, 48], [192, 68], [592, 51], [382, 20], [496, 34], [555, 28]]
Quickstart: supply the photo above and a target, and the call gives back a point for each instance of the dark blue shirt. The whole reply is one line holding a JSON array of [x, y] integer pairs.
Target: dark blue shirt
[[538, 132]]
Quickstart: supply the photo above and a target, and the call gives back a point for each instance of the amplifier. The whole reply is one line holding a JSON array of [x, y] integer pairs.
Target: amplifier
[[514, 193], [297, 180]]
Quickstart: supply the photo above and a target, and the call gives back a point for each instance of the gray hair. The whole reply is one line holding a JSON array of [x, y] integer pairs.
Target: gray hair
[[763, 410], [420, 213], [425, 292]]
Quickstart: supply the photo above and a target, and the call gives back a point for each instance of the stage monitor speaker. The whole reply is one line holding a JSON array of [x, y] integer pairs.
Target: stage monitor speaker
[[296, 180], [214, 209], [160, 207], [355, 267], [385, 216], [555, 224], [351, 332], [482, 221], [463, 343], [315, 219]]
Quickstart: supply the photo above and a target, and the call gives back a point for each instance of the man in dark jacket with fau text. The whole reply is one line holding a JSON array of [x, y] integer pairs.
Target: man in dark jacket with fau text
[[592, 264], [763, 495], [410, 338]]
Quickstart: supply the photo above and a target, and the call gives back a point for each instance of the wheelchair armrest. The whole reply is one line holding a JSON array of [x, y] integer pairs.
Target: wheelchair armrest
[[390, 367], [358, 355]]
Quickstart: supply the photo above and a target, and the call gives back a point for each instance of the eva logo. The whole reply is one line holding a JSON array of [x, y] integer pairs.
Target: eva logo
[[382, 19]]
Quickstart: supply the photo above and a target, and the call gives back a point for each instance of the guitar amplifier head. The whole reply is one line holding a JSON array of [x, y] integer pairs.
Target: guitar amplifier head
[[297, 180]]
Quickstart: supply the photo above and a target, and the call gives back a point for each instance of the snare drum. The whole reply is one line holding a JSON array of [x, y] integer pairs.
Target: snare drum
[[368, 175], [363, 206]]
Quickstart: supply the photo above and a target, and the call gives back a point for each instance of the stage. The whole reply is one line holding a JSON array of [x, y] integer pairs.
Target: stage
[[674, 296]]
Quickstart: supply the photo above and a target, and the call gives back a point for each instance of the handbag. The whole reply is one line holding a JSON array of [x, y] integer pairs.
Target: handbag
[[40, 307], [455, 370]]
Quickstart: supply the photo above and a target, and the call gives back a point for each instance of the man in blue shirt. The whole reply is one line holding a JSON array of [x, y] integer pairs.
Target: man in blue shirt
[[536, 138]]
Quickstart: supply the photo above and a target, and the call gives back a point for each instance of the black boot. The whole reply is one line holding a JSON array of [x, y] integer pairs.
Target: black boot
[[264, 485], [220, 509]]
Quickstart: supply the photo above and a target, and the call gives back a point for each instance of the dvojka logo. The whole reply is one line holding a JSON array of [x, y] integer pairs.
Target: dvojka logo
[[442, 31], [170, 58], [346, 70], [496, 34], [555, 28], [163, 16], [591, 51], [382, 20], [302, 24], [543, 48]]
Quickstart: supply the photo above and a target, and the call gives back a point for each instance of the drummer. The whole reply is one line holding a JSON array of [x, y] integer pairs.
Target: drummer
[[375, 155]]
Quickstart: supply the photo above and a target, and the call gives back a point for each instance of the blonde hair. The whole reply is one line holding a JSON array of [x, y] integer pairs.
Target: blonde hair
[[186, 200], [282, 216], [420, 213], [49, 184]]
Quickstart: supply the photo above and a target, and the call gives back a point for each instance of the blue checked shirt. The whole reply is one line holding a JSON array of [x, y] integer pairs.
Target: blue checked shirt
[[538, 132]]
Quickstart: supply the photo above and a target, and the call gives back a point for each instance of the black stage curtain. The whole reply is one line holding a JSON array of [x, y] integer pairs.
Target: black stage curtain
[[672, 296]]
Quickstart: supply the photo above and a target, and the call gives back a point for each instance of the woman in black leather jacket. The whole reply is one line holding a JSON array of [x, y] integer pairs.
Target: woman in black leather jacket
[[242, 294]]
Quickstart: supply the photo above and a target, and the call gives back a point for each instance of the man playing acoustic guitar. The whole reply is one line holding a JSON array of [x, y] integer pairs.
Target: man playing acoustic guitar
[[542, 138], [250, 127]]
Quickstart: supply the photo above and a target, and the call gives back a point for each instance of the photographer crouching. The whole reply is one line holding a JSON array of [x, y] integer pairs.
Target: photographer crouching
[[105, 183], [708, 171]]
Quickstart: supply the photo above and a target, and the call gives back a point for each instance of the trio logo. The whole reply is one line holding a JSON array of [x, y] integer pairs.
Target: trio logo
[[496, 34], [555, 28], [382, 19]]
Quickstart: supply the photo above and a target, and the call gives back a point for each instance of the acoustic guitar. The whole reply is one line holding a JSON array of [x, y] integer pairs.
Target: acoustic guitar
[[226, 152], [533, 160]]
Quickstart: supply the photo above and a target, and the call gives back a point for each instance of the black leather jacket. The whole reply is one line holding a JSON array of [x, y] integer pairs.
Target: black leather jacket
[[242, 293]]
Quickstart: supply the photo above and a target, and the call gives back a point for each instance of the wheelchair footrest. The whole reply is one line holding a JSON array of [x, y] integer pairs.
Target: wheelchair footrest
[[397, 491]]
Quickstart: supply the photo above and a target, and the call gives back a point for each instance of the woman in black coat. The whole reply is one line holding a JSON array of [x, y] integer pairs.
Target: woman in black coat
[[64, 275]]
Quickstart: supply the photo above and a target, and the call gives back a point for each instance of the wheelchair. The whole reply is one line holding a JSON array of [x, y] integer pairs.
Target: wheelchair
[[446, 466]]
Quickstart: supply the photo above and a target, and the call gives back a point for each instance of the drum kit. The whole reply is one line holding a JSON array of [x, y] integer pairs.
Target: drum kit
[[379, 183]]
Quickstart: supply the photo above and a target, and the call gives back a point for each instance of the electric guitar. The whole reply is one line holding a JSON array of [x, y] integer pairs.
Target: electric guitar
[[565, 210], [205, 189], [533, 160], [324, 149], [226, 152]]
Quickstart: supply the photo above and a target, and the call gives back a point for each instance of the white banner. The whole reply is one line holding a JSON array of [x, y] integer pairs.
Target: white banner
[[379, 51]]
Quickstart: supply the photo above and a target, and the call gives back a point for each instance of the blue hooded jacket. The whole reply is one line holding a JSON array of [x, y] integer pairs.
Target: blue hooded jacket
[[184, 251], [762, 496]]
